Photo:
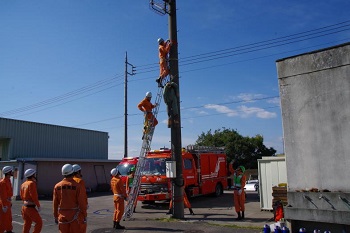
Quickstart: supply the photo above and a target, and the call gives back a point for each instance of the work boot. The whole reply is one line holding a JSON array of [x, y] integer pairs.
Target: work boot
[[239, 217], [114, 224], [118, 226], [191, 211], [169, 212], [242, 214], [159, 81]]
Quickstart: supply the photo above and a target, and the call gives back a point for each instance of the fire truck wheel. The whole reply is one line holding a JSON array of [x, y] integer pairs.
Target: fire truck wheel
[[218, 190]]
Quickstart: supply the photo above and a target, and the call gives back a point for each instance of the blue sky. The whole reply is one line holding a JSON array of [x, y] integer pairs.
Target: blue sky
[[62, 63]]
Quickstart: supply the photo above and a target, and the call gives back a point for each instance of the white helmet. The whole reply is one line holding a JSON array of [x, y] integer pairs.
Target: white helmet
[[29, 172], [149, 94], [76, 167], [114, 171], [160, 40], [7, 169], [67, 169]]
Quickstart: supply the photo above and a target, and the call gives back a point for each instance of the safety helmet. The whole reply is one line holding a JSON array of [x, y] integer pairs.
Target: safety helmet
[[76, 167], [132, 169], [114, 171], [242, 168], [29, 172], [7, 169], [160, 40], [67, 169], [149, 94]]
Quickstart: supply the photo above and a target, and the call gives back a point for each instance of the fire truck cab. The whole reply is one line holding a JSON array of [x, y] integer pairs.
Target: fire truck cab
[[204, 172]]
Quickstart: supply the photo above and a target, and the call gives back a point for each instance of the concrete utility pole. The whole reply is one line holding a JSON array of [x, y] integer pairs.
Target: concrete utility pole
[[169, 7], [126, 102], [176, 144]]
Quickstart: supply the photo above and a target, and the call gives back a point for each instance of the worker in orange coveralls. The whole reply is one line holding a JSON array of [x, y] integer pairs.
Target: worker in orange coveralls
[[119, 195], [78, 178], [68, 202], [187, 203], [6, 193], [163, 50], [146, 107], [239, 180], [29, 196]]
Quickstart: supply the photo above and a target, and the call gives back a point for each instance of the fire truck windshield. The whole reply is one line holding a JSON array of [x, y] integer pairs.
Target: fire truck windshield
[[124, 169], [154, 166]]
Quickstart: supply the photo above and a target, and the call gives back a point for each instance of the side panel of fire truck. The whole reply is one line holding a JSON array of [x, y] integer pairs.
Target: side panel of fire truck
[[211, 173]]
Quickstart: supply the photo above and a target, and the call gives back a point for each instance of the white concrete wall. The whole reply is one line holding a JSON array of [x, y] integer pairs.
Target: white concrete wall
[[315, 101]]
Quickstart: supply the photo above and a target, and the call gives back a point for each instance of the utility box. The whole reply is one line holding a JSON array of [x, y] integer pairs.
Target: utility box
[[170, 169], [272, 171]]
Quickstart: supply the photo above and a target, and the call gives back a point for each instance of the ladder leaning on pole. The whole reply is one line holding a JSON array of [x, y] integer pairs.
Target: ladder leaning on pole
[[146, 146]]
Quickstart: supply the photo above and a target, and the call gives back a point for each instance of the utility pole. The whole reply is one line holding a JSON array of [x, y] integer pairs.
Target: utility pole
[[169, 7], [176, 144], [126, 102]]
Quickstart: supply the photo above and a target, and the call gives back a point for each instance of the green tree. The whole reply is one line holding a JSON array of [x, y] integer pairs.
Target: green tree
[[243, 150]]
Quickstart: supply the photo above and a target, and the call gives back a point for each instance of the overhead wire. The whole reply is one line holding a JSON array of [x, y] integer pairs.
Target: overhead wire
[[190, 60]]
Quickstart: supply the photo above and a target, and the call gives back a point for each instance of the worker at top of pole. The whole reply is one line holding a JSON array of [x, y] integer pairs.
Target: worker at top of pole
[[68, 202], [6, 193], [146, 107], [78, 178], [29, 196], [163, 51]]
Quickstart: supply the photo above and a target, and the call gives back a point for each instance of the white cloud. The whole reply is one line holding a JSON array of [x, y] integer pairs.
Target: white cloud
[[249, 97], [274, 101], [254, 111], [222, 109]]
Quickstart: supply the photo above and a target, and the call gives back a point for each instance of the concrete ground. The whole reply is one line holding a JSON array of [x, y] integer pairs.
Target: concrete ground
[[211, 215]]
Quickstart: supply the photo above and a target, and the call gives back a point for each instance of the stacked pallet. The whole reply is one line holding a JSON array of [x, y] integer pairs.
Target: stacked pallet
[[279, 194]]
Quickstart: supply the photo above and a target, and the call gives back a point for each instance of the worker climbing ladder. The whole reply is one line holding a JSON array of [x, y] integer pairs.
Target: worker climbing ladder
[[146, 147]]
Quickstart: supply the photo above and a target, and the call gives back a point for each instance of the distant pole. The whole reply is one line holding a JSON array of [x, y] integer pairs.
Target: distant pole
[[126, 102], [176, 144], [126, 107]]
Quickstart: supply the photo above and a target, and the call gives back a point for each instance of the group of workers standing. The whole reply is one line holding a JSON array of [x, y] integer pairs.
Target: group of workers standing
[[70, 201]]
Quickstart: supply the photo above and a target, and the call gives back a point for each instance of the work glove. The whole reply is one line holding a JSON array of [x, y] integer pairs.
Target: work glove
[[240, 192], [39, 209], [126, 198], [56, 220], [85, 220], [4, 209]]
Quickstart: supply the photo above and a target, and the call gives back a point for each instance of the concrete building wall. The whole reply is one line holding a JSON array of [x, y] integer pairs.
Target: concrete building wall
[[315, 101], [23, 139]]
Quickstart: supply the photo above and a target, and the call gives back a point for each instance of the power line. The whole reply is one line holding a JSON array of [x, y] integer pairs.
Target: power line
[[194, 59]]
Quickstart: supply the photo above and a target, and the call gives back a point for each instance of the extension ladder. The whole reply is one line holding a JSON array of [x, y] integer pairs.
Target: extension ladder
[[146, 147]]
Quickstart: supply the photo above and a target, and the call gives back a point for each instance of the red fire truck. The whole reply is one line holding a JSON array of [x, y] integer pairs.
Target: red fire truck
[[204, 172]]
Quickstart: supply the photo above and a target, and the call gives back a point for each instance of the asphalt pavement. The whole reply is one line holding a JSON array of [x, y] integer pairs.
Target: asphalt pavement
[[212, 214]]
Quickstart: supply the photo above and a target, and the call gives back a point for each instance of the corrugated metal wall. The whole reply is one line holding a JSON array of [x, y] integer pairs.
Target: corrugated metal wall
[[37, 140]]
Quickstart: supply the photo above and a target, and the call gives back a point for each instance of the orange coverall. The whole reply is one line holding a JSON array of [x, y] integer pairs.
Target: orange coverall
[[82, 221], [163, 50], [146, 105], [69, 202], [239, 200], [119, 195], [187, 203], [30, 214], [6, 194]]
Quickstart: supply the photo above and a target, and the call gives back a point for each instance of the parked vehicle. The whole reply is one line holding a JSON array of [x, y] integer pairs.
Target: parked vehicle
[[252, 185], [204, 172]]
